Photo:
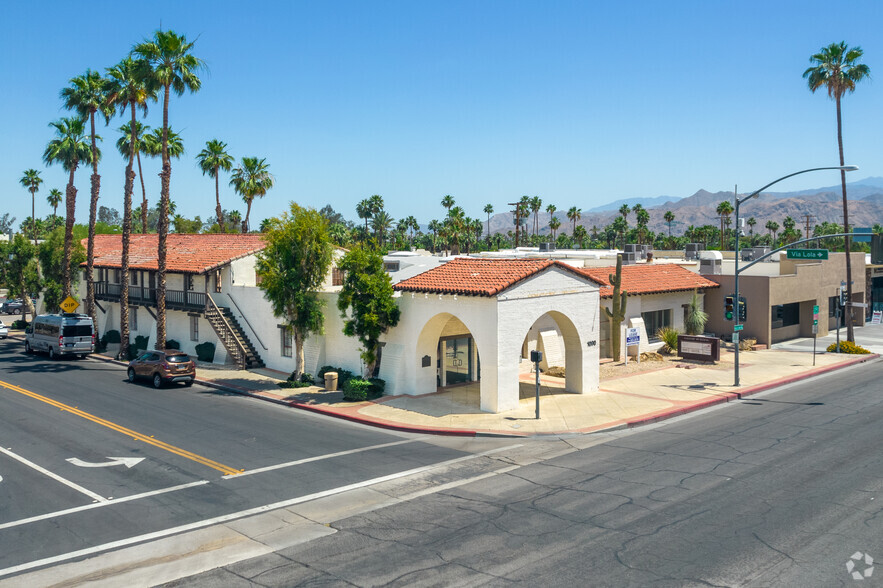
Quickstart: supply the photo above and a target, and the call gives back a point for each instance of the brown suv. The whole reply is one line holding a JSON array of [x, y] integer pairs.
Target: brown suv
[[163, 367]]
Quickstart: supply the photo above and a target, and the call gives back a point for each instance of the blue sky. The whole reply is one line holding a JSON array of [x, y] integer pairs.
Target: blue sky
[[579, 102]]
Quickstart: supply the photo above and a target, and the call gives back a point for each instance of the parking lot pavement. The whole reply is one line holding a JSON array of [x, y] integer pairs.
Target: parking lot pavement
[[869, 336]]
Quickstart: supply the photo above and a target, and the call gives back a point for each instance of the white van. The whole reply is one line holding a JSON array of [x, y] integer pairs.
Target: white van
[[61, 334]]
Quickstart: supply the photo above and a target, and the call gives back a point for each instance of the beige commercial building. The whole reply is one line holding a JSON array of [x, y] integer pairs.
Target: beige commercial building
[[780, 296]]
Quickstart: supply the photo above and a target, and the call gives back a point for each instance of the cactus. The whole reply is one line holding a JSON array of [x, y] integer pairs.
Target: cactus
[[619, 304]]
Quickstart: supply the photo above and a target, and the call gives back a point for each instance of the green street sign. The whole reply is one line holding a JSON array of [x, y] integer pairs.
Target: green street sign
[[807, 253], [815, 310], [738, 327], [815, 322]]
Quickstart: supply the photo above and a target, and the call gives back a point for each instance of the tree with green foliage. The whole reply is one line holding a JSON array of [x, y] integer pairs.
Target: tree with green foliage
[[87, 95], [489, 210], [292, 268], [69, 148], [252, 178], [837, 69], [211, 160], [32, 180], [166, 62], [54, 199], [366, 301], [50, 255], [19, 271], [574, 215], [642, 219]]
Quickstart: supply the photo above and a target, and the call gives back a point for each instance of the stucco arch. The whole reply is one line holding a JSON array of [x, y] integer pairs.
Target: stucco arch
[[427, 345], [573, 348]]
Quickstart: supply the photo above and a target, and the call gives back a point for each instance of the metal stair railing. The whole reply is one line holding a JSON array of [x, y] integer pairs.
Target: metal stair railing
[[226, 333]]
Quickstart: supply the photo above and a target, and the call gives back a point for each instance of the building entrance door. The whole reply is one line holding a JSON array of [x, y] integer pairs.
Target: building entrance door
[[457, 360]]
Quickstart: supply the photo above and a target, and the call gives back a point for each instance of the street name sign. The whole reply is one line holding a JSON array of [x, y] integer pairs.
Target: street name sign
[[807, 253], [815, 310], [738, 327], [69, 304]]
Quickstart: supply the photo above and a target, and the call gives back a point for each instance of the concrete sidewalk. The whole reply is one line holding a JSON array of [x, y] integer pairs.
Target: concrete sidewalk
[[664, 390]]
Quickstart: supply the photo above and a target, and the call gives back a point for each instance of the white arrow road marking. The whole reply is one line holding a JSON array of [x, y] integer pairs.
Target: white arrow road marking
[[55, 477], [115, 461]]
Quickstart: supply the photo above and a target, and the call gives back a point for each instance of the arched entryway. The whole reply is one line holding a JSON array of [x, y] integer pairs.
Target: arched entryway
[[450, 349], [555, 335]]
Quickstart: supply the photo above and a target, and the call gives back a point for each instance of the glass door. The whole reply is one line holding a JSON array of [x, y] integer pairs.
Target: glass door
[[458, 360]]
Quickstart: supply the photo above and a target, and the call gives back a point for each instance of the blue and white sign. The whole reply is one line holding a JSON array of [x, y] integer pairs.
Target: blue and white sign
[[632, 336]]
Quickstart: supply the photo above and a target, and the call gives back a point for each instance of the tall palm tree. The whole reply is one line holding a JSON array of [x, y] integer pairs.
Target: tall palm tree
[[212, 159], [669, 218], [573, 215], [751, 222], [54, 199], [455, 226], [624, 211], [410, 225], [489, 210], [447, 202], [551, 208], [68, 148], [128, 91], [382, 223], [124, 147], [251, 179], [363, 210], [32, 180], [642, 218], [151, 144], [772, 227], [837, 69], [536, 204], [724, 209], [554, 223], [166, 62], [87, 95]]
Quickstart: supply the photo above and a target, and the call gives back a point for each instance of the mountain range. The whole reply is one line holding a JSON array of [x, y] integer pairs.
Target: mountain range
[[821, 204]]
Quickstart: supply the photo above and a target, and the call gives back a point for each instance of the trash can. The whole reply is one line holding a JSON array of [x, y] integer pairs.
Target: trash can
[[330, 381]]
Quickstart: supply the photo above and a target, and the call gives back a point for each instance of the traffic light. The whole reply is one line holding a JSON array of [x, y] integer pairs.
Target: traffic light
[[843, 299], [743, 310], [729, 308]]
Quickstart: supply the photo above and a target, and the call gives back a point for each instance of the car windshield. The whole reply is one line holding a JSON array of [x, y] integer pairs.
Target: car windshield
[[77, 331], [177, 358]]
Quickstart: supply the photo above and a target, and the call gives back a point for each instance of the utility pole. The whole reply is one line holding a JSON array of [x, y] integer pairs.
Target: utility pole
[[809, 217]]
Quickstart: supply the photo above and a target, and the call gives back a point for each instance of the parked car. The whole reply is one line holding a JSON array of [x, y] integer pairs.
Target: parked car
[[163, 367], [11, 307], [4, 330], [61, 334]]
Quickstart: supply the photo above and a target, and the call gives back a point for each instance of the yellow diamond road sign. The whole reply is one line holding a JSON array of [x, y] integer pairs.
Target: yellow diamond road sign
[[69, 304]]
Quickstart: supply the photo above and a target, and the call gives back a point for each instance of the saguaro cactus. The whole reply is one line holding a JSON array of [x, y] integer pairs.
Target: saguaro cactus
[[616, 317]]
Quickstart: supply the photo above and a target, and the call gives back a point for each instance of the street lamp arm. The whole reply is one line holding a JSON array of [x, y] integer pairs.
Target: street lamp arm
[[756, 192]]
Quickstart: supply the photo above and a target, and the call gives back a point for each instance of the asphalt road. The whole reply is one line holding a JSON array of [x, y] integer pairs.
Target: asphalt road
[[781, 489], [205, 455]]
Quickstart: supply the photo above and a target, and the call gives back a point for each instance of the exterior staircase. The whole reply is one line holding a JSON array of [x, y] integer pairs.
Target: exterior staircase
[[230, 332]]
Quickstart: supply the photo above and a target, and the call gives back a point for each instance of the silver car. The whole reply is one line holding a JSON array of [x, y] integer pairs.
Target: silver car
[[4, 330]]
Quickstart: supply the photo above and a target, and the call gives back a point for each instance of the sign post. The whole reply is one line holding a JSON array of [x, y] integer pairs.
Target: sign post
[[815, 331], [536, 357]]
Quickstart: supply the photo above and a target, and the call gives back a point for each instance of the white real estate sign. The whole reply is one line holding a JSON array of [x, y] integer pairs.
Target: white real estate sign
[[877, 317]]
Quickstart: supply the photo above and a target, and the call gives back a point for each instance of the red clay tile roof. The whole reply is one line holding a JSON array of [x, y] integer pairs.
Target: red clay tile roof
[[648, 279], [477, 277], [186, 253]]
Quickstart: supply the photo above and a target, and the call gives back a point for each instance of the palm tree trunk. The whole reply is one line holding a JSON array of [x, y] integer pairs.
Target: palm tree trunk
[[247, 214], [218, 210], [70, 204], [90, 245], [850, 333], [33, 218], [127, 232], [143, 195], [163, 228]]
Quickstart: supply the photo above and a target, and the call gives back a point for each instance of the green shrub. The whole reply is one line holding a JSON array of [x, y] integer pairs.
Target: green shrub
[[19, 324], [294, 384], [324, 369], [172, 344], [205, 352], [141, 342], [669, 337], [377, 387], [112, 336], [357, 389], [847, 347]]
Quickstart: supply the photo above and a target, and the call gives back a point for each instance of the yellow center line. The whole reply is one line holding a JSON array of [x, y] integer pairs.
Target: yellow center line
[[227, 470]]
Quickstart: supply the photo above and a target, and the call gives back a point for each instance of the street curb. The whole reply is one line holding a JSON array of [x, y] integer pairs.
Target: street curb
[[652, 418]]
